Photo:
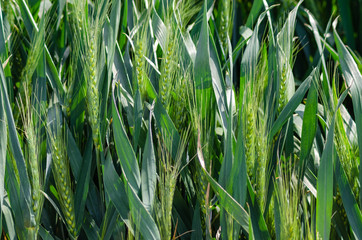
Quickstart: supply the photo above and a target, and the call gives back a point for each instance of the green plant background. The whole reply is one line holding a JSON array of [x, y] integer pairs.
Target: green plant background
[[180, 119]]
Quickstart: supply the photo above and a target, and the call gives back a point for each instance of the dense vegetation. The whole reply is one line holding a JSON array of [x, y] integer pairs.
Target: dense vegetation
[[180, 119]]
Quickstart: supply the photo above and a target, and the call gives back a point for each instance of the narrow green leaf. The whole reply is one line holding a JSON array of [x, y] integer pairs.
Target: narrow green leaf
[[120, 72], [196, 224], [8, 217], [260, 230], [148, 173], [24, 220], [137, 114], [228, 161], [202, 71], [3, 52], [109, 222], [309, 127], [44, 234], [325, 181], [218, 84], [90, 228], [231, 206], [159, 29], [165, 124], [318, 39], [16, 152], [122, 37], [124, 149], [51, 70], [141, 217], [82, 187], [75, 157], [254, 12], [293, 103], [3, 146], [349, 201], [353, 79], [115, 189]]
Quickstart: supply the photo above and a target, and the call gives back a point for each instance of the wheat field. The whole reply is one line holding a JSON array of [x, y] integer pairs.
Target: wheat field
[[180, 119]]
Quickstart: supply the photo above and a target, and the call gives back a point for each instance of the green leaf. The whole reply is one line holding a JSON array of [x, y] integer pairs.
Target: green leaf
[[148, 173], [318, 40], [353, 79], [24, 188], [8, 217], [159, 29], [218, 84], [3, 51], [3, 146], [90, 228], [293, 103], [325, 181], [109, 222], [121, 74], [44, 234], [285, 50], [196, 224], [232, 207], [24, 220], [137, 114], [260, 230], [228, 161], [115, 189], [165, 124], [309, 127], [122, 37], [82, 187], [349, 201], [141, 217], [254, 12], [51, 70], [238, 172], [124, 149], [202, 71], [249, 61], [75, 157]]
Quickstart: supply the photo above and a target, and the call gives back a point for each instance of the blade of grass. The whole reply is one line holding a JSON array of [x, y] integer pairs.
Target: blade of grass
[[309, 127], [51, 70], [349, 201], [325, 181], [165, 123], [202, 71], [3, 145], [141, 217], [109, 221], [44, 234], [231, 206], [7, 215], [254, 12], [196, 224], [115, 189], [218, 84], [159, 29], [148, 172], [16, 152], [291, 106], [124, 149], [353, 79], [82, 187], [260, 229]]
